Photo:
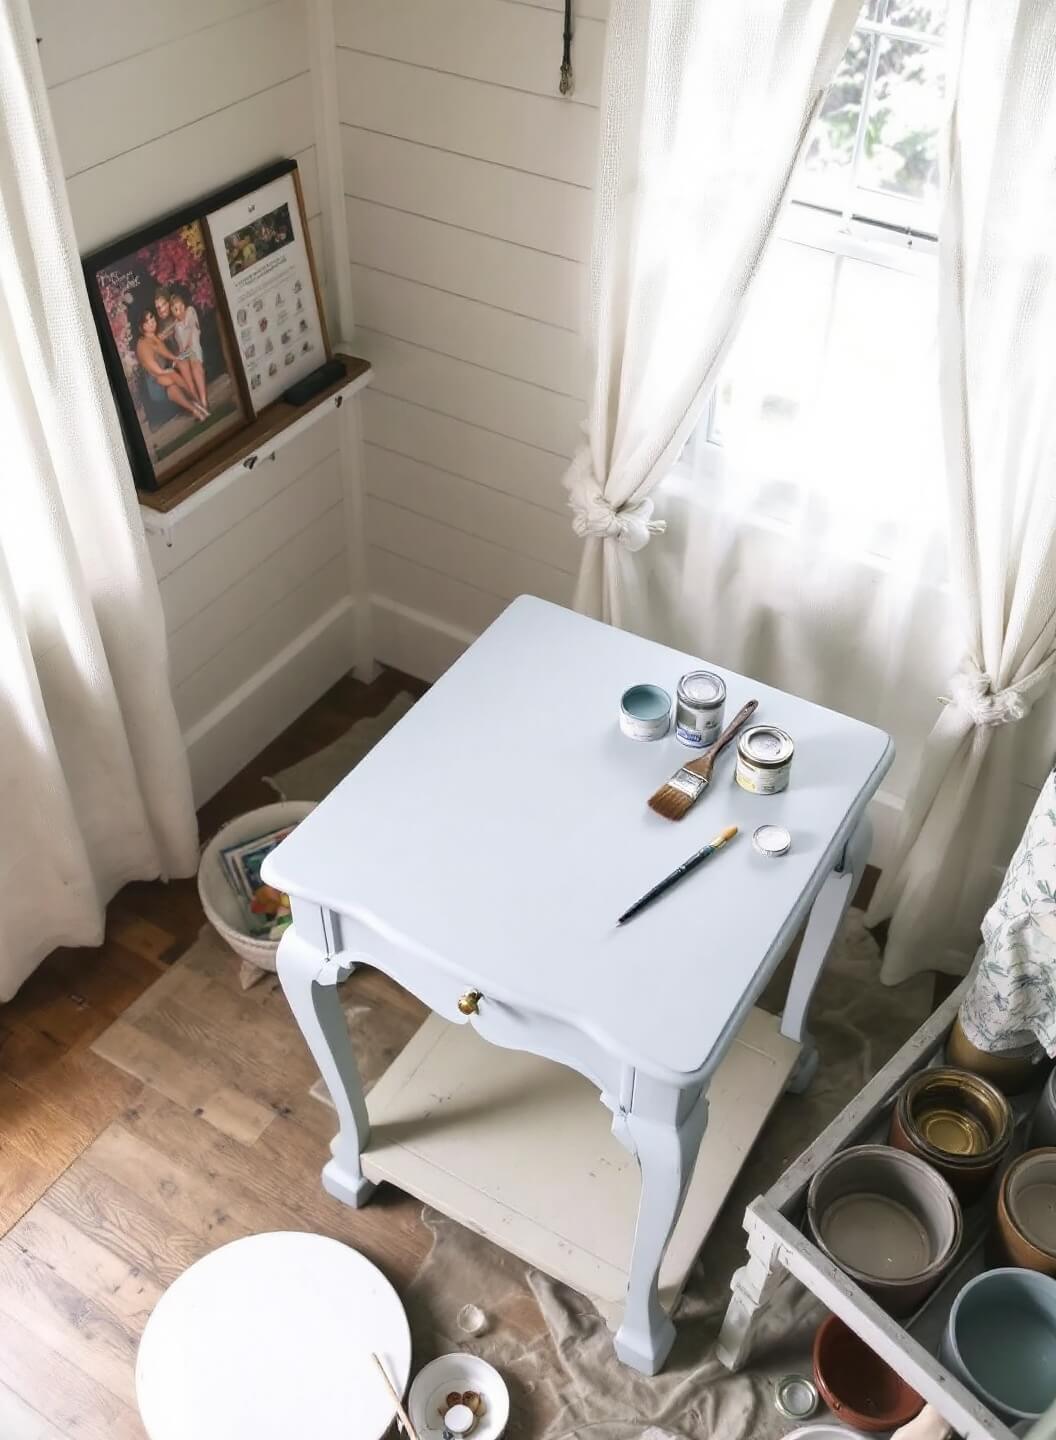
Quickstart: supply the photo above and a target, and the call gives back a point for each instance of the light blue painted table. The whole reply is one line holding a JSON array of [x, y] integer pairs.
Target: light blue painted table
[[483, 850]]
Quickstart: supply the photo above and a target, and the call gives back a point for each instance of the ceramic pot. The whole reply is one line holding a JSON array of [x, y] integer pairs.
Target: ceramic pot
[[958, 1122], [1043, 1126], [888, 1220], [858, 1387], [1000, 1340], [1025, 1230], [1012, 1071]]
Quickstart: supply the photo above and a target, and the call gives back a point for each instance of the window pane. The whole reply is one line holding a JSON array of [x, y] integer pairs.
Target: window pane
[[900, 155], [770, 379], [877, 437], [918, 15], [827, 165]]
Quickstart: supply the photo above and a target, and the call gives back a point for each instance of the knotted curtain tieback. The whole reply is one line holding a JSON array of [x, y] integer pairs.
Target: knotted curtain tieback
[[630, 525], [972, 690]]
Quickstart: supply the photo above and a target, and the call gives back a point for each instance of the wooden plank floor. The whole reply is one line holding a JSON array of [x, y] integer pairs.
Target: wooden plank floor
[[87, 1248], [119, 1169]]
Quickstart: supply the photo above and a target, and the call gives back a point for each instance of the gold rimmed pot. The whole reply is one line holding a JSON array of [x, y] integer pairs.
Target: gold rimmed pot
[[1026, 1212], [1011, 1071], [956, 1121]]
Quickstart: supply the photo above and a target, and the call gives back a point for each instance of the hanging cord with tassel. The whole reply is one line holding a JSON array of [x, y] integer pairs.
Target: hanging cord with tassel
[[567, 82]]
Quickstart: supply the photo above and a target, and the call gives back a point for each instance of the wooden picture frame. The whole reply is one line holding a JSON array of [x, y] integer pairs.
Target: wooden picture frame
[[176, 380], [267, 270], [180, 381]]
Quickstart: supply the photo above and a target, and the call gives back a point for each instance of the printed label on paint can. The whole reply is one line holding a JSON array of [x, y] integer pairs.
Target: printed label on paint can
[[699, 707], [764, 760]]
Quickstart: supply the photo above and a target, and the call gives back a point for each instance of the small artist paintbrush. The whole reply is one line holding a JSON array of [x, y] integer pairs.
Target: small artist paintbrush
[[676, 875]]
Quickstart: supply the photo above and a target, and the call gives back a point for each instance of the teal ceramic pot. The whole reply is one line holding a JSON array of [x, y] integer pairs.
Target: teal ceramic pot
[[1000, 1340]]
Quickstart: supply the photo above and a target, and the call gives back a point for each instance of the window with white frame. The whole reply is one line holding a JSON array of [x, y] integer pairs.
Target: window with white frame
[[826, 411]]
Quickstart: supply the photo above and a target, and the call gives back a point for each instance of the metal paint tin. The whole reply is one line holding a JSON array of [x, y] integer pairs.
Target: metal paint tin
[[764, 760], [645, 712], [699, 708], [796, 1397], [772, 840]]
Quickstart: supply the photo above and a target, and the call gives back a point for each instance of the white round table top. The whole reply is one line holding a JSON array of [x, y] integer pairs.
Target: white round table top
[[271, 1336]]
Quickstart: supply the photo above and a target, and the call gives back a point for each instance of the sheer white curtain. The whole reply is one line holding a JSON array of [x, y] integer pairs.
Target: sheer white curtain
[[806, 522], [93, 775], [706, 107], [998, 364]]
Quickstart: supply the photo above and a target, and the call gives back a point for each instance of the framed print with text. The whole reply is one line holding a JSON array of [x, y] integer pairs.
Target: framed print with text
[[267, 274]]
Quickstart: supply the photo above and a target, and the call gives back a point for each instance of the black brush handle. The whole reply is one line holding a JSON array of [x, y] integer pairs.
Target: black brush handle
[[683, 870]]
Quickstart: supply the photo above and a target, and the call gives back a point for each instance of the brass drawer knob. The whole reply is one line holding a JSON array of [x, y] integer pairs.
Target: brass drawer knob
[[468, 1002]]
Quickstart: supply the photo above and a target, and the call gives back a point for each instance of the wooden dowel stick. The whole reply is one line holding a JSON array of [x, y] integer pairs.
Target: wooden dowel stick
[[400, 1411]]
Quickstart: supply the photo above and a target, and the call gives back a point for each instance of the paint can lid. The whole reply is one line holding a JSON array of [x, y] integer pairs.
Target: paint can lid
[[796, 1397], [772, 840], [702, 688], [766, 746]]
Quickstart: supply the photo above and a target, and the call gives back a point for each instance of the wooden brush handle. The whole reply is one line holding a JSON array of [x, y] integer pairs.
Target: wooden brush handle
[[703, 765]]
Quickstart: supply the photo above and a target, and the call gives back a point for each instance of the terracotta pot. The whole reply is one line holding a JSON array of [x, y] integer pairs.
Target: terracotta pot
[[1025, 1230], [887, 1220], [1011, 1071], [957, 1122], [858, 1387]]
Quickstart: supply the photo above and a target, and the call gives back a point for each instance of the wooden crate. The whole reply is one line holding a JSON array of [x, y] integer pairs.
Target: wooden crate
[[779, 1248]]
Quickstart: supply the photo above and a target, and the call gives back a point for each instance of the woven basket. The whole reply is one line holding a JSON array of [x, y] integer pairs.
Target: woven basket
[[220, 903]]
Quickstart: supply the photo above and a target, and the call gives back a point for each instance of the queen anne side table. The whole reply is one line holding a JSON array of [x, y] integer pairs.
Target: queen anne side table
[[480, 856]]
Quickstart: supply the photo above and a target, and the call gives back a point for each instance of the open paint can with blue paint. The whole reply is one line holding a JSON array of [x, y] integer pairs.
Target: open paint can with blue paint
[[645, 712]]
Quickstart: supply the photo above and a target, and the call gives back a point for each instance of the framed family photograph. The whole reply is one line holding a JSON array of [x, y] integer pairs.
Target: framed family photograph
[[268, 277], [167, 344]]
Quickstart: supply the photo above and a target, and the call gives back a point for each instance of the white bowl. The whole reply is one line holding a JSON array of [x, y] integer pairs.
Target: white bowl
[[458, 1371], [221, 905]]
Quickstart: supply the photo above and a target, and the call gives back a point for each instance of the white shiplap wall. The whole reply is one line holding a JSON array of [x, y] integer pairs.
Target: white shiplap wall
[[154, 105], [468, 194]]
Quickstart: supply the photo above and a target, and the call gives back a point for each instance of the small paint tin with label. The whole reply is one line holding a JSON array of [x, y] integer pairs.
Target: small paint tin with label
[[764, 760], [699, 708], [645, 712]]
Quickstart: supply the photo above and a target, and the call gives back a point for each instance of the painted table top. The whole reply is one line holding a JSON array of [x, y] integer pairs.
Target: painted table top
[[502, 826]]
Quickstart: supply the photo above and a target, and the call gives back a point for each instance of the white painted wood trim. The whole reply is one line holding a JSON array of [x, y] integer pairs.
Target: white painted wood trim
[[322, 55], [270, 700], [410, 640], [322, 58], [354, 506], [156, 522]]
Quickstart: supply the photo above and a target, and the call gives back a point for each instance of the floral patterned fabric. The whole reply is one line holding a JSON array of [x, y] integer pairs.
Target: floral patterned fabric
[[1012, 1000]]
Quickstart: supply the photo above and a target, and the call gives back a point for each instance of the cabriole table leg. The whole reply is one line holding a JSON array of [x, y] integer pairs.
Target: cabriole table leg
[[826, 916], [309, 980], [666, 1150]]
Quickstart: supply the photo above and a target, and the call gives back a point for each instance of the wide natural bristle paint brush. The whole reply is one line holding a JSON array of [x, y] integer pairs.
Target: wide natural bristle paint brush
[[689, 782]]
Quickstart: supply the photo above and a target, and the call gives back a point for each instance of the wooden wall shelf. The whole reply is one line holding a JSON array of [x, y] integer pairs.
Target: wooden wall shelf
[[273, 428]]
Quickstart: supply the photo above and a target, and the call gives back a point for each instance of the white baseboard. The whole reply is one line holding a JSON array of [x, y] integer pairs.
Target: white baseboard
[[239, 727], [410, 640]]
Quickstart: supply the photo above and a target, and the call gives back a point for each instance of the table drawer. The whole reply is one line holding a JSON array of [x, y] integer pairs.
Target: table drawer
[[454, 997]]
